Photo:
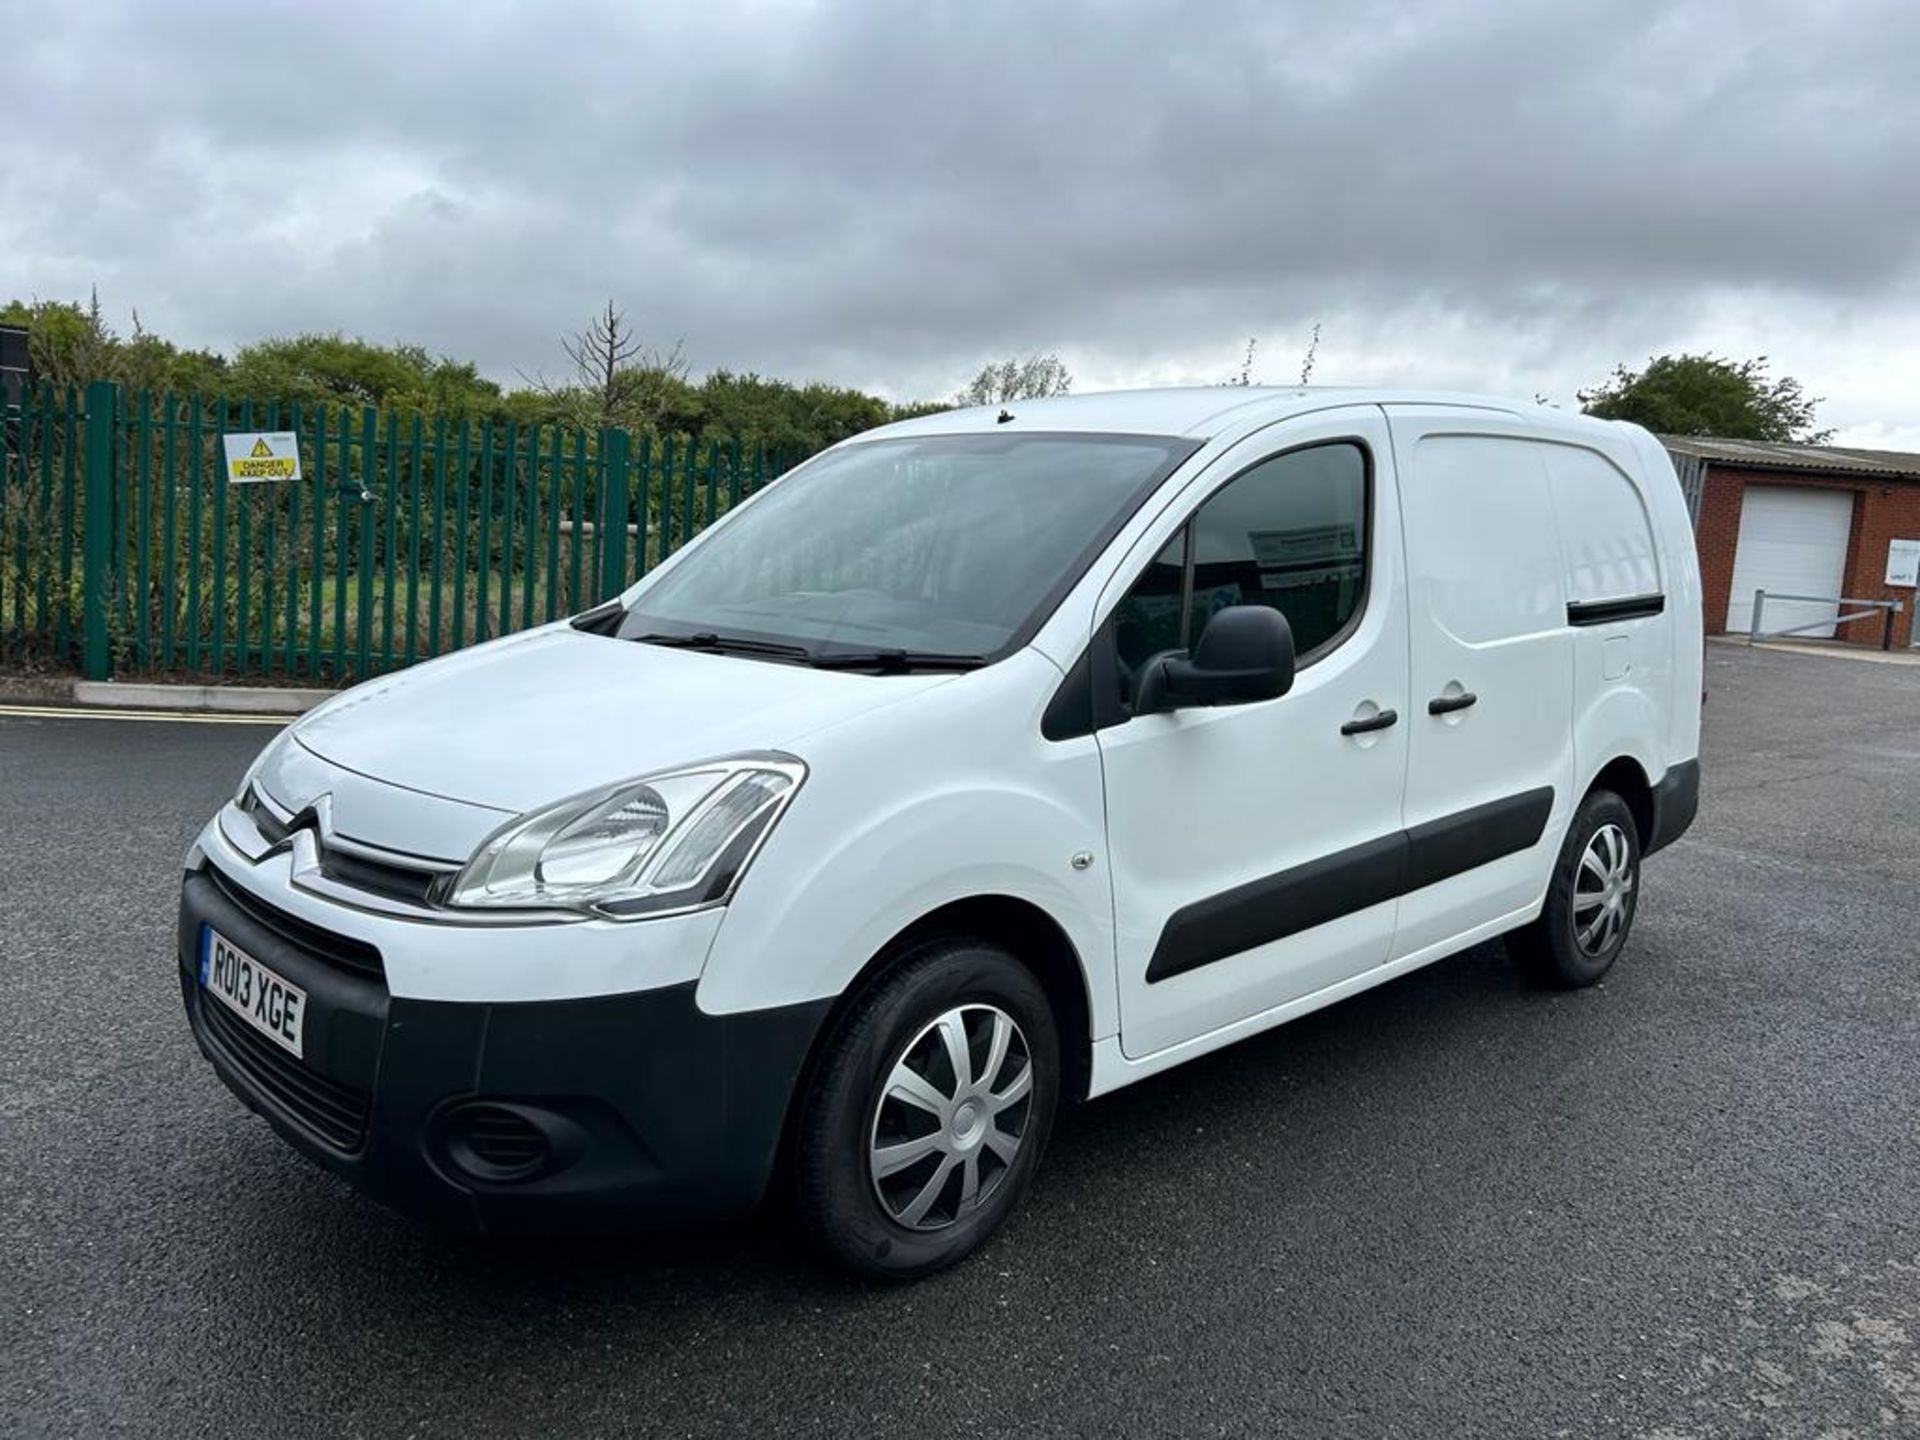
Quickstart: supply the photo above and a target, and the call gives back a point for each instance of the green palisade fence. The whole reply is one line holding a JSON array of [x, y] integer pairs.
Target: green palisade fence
[[125, 550]]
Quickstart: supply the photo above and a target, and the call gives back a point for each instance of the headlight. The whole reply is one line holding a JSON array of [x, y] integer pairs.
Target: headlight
[[665, 842]]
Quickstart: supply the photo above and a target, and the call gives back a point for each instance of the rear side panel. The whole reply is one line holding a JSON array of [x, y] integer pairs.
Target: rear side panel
[[1617, 606], [1680, 568]]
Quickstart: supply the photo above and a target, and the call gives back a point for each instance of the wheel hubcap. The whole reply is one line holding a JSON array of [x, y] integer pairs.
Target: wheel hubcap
[[1603, 890], [951, 1117]]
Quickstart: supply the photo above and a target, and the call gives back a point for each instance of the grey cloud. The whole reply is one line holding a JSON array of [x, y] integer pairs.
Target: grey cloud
[[886, 194]]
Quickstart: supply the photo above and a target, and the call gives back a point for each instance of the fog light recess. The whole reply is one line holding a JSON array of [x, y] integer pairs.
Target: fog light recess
[[497, 1143]]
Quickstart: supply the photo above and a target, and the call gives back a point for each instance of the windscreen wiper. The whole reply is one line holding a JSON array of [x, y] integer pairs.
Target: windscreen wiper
[[728, 645], [896, 662]]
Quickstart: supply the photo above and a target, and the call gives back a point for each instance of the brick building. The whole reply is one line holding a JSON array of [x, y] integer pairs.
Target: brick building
[[1798, 519]]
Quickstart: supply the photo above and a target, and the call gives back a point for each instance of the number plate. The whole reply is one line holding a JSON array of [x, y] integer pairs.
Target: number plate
[[270, 1003]]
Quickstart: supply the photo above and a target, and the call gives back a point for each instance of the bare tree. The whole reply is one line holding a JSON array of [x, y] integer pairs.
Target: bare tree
[[1313, 351], [617, 378], [1034, 378], [1245, 375], [598, 353]]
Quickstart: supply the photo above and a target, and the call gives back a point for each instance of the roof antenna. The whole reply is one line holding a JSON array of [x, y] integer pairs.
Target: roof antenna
[[1004, 417]]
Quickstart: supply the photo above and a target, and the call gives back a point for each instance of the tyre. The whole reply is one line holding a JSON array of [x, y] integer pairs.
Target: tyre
[[1590, 899], [928, 1112]]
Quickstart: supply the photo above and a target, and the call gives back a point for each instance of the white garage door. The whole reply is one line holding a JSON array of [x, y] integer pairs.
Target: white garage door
[[1792, 542]]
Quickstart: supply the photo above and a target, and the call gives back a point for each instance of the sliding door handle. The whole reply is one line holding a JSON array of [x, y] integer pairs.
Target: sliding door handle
[[1379, 720], [1447, 704]]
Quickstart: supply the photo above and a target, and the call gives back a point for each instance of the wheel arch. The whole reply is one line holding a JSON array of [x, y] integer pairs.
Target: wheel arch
[[1019, 926], [1626, 777]]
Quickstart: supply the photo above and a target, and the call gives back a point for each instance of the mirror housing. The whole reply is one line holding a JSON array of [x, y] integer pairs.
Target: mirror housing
[[1245, 654]]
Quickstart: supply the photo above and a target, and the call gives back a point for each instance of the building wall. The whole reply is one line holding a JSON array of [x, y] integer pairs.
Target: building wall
[[1883, 509]]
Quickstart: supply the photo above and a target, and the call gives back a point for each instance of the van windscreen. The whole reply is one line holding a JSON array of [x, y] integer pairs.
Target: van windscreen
[[942, 545]]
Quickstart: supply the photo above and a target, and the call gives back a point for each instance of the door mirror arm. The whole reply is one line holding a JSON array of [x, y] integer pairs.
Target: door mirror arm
[[1245, 655]]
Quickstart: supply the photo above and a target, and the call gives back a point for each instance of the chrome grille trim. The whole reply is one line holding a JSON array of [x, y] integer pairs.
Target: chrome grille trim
[[307, 873], [332, 839]]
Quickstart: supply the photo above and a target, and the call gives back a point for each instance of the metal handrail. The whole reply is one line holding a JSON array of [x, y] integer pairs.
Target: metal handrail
[[1887, 609]]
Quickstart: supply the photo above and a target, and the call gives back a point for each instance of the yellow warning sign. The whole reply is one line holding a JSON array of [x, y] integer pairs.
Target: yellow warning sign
[[270, 456]]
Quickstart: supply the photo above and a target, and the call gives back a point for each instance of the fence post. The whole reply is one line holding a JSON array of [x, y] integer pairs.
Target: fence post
[[103, 508], [1753, 631], [616, 449]]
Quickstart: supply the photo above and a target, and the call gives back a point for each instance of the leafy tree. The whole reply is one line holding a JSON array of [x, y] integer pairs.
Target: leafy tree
[[657, 396], [777, 412], [914, 409], [455, 388], [67, 344], [615, 379], [335, 369], [1706, 395], [1034, 378], [70, 344], [146, 362]]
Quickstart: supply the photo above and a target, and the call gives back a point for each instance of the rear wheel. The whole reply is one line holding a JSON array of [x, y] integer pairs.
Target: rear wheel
[[929, 1111], [1590, 900]]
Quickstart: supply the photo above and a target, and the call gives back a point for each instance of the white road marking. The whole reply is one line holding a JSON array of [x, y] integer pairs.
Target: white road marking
[[167, 717]]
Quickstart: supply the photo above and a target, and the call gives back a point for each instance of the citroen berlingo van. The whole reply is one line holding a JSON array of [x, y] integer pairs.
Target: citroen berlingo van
[[983, 763]]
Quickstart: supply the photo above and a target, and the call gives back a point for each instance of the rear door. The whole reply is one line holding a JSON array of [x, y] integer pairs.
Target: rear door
[[1489, 713], [1254, 848]]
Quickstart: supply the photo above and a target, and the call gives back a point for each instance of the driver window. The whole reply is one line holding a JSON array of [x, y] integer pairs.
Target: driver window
[[1289, 533], [1150, 619]]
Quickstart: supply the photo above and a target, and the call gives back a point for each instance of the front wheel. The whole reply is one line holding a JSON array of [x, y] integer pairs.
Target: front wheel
[[928, 1113], [1590, 899]]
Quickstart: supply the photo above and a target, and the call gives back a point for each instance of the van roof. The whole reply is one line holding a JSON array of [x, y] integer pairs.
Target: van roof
[[1196, 411]]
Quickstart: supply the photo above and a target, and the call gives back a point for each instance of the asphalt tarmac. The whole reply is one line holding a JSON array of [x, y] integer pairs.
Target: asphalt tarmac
[[1685, 1203]]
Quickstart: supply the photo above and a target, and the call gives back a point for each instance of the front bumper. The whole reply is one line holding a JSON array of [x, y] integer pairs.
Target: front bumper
[[597, 1112]]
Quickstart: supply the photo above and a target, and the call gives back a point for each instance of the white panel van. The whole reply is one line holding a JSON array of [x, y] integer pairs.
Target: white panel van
[[983, 763]]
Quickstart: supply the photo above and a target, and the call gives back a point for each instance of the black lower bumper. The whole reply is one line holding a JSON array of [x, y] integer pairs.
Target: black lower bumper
[[600, 1113], [1676, 800]]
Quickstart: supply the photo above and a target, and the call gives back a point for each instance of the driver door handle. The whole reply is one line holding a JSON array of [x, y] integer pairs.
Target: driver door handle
[[1378, 721], [1447, 704]]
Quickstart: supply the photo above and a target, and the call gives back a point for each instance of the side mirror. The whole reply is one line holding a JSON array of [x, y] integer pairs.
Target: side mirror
[[1245, 654]]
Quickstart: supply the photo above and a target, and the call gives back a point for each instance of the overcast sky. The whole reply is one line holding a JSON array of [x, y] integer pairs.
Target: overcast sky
[[1506, 195]]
